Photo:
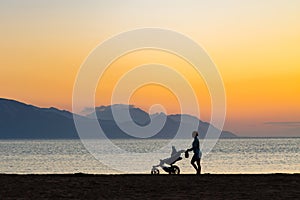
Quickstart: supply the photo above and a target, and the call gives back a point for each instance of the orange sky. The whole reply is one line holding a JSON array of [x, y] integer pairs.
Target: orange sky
[[255, 45], [150, 94]]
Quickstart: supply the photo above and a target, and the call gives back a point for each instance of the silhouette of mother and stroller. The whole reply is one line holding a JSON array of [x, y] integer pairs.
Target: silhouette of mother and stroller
[[168, 164]]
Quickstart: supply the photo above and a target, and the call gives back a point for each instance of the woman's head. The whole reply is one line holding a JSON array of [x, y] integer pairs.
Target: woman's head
[[195, 134]]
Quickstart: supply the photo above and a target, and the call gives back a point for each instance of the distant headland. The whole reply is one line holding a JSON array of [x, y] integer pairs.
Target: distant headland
[[22, 121]]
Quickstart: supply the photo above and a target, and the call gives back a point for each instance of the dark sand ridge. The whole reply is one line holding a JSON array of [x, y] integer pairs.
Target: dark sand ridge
[[83, 186]]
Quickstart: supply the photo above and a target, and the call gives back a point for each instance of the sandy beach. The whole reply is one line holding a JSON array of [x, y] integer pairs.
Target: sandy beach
[[83, 186]]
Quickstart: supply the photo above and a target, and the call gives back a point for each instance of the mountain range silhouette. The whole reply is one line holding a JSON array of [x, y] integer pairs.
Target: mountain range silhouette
[[22, 121]]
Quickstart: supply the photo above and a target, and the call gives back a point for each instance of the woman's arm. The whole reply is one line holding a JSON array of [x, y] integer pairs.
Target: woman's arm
[[191, 149]]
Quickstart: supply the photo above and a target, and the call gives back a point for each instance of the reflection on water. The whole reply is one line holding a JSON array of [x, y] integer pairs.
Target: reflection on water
[[268, 155]]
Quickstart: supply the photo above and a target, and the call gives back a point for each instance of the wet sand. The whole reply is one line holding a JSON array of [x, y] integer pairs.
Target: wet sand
[[83, 186]]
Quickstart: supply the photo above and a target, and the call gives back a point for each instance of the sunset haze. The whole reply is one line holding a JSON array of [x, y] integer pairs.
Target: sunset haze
[[254, 44]]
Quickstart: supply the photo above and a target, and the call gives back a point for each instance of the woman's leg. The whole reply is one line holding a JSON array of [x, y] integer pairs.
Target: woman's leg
[[194, 159], [199, 167], [193, 163]]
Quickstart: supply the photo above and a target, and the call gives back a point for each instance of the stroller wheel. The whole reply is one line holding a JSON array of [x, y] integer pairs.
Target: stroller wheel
[[175, 170], [155, 171]]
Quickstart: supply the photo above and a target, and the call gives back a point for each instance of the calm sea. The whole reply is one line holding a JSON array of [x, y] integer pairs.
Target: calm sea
[[262, 155]]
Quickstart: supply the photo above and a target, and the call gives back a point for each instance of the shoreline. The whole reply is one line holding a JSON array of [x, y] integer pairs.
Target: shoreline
[[221, 138], [138, 186], [145, 174]]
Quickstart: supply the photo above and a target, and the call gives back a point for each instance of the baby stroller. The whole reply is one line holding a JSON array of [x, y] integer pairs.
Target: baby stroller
[[168, 164]]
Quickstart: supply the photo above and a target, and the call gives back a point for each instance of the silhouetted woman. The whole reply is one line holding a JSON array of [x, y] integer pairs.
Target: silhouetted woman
[[197, 153]]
